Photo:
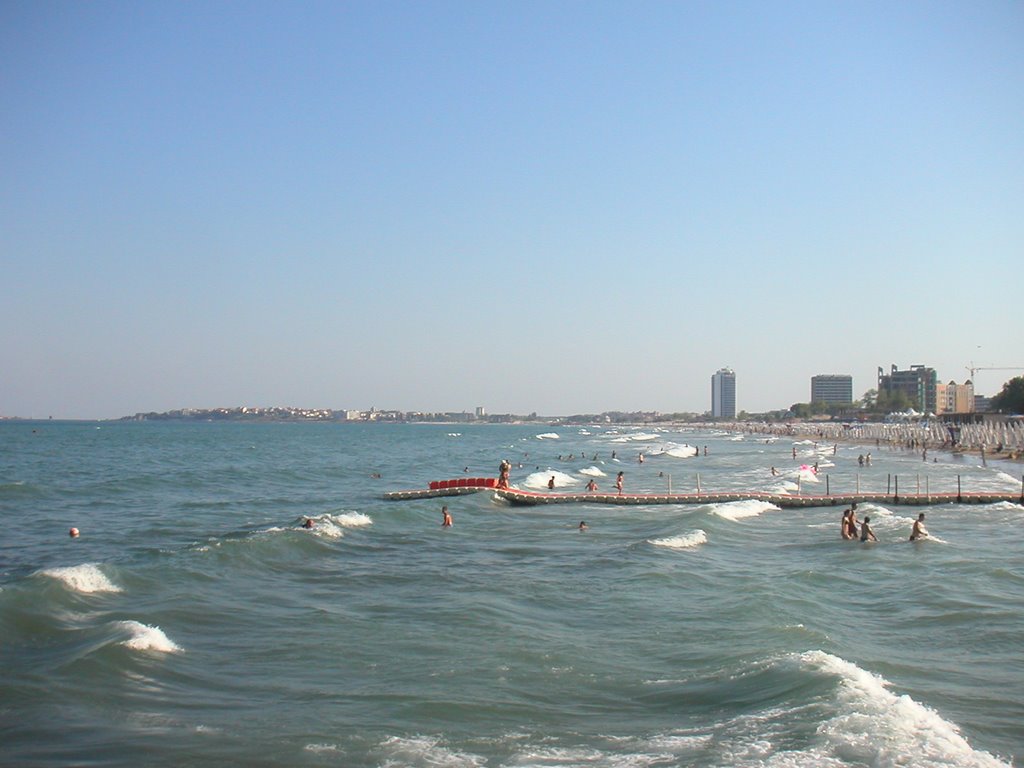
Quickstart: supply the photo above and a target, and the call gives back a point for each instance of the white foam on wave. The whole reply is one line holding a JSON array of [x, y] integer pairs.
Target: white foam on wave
[[786, 486], [592, 472], [143, 637], [808, 475], [322, 748], [644, 437], [685, 541], [82, 578], [1008, 506], [353, 519], [426, 751], [548, 436], [675, 450], [540, 480], [875, 726], [1009, 479], [739, 510]]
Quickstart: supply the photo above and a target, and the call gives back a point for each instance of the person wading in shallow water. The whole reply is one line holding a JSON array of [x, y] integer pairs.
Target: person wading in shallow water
[[446, 518], [618, 482]]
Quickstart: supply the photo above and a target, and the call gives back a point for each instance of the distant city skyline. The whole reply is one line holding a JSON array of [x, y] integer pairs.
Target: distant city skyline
[[551, 208]]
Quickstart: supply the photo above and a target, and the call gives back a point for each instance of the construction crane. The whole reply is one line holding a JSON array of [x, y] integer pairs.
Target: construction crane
[[972, 368]]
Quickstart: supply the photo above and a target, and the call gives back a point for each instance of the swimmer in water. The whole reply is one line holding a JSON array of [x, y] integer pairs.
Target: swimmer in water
[[73, 533], [849, 524], [583, 525], [591, 486], [919, 531], [551, 483], [308, 523], [446, 518], [866, 534], [618, 482]]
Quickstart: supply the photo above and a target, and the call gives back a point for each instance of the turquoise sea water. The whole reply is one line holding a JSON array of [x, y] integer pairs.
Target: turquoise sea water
[[195, 623]]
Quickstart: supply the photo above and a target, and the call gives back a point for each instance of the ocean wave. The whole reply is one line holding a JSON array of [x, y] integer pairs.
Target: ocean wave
[[738, 510], [1007, 506], [685, 541], [143, 637], [874, 726], [86, 578], [548, 436], [322, 748], [427, 751], [592, 472], [353, 519], [675, 450], [1010, 480], [808, 474], [539, 480]]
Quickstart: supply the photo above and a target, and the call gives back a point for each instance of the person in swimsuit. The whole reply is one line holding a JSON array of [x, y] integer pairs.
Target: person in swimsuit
[[850, 524], [551, 483], [844, 527], [618, 482], [918, 531], [866, 534], [591, 486], [446, 518]]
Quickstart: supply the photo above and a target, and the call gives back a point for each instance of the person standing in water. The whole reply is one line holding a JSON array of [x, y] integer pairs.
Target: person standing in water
[[866, 534], [446, 518], [618, 482], [551, 483], [919, 531]]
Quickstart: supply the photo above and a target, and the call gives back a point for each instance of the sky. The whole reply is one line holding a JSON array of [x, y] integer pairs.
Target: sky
[[553, 207]]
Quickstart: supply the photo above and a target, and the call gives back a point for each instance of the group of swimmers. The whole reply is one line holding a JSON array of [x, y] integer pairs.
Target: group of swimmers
[[849, 527]]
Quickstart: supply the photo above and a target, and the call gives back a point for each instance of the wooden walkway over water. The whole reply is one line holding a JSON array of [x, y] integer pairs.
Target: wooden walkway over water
[[516, 496]]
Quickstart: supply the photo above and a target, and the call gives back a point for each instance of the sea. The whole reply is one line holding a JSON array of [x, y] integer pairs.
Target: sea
[[196, 622]]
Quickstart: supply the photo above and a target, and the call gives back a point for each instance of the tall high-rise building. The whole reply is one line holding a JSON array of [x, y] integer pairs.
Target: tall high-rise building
[[723, 394], [832, 388], [919, 383]]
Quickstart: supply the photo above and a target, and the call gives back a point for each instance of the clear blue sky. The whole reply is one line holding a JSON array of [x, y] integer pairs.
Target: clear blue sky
[[557, 207]]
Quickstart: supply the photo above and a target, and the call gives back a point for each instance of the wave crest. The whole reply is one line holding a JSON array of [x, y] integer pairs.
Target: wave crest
[[738, 510], [684, 541], [85, 578], [143, 637]]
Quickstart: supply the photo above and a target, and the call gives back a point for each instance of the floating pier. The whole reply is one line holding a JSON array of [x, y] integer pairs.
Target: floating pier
[[462, 486]]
